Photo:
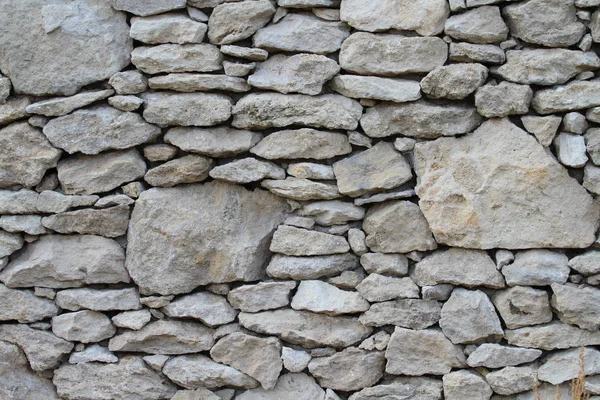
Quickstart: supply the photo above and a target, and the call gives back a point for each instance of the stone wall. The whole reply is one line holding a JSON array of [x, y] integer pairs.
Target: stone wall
[[298, 199]]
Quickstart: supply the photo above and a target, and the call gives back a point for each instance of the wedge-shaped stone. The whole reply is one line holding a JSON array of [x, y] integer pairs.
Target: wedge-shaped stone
[[574, 305], [275, 110], [197, 371], [177, 58], [417, 388], [302, 143], [521, 306], [454, 81], [62, 261], [544, 128], [167, 28], [479, 25], [232, 22], [407, 313], [300, 73], [109, 222], [492, 355], [301, 189], [262, 296], [188, 169], [26, 155], [130, 378], [215, 142], [321, 297], [552, 336], [537, 267], [59, 106], [98, 299], [305, 328], [83, 326], [302, 32], [43, 349], [464, 194], [460, 267], [293, 241], [419, 119], [23, 306], [299, 268], [546, 66], [211, 309], [186, 109], [186, 82], [416, 353], [572, 96], [184, 237], [247, 170], [165, 337], [390, 55], [148, 7], [290, 386], [372, 87]]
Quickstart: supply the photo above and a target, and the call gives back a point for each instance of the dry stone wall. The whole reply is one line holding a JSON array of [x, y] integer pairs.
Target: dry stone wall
[[298, 199]]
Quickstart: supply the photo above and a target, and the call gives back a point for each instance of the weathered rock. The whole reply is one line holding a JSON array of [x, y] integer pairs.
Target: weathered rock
[[390, 55], [407, 313], [61, 261], [298, 268], [511, 380], [563, 366], [575, 95], [23, 201], [349, 369], [301, 189], [416, 353], [188, 169], [572, 304], [9, 243], [83, 326], [537, 268], [17, 381], [23, 306], [334, 212], [469, 317], [134, 320], [98, 299], [479, 25], [59, 106], [196, 371], [521, 306], [43, 349], [289, 387], [129, 378], [54, 202], [276, 110], [293, 241], [203, 239], [165, 337], [167, 28], [211, 309], [551, 23], [149, 7], [454, 81], [110, 222], [451, 172], [89, 174], [397, 227], [126, 103], [552, 336], [492, 355], [372, 87], [302, 143], [419, 119], [260, 358], [26, 155], [481, 53], [294, 360], [320, 297], [129, 82], [177, 58], [591, 178], [302, 32], [248, 53], [503, 99], [186, 109], [197, 394], [388, 264], [262, 296], [186, 82], [465, 384], [426, 18], [462, 267], [305, 328], [571, 150], [377, 287], [93, 353], [247, 170], [215, 142], [416, 388], [299, 73], [14, 109], [74, 44], [544, 128], [587, 263], [232, 22], [546, 66]]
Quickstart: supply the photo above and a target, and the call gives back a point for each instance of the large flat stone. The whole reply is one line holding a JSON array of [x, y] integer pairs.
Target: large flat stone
[[302, 143], [575, 95], [202, 57], [221, 141], [23, 306], [232, 22], [186, 109]]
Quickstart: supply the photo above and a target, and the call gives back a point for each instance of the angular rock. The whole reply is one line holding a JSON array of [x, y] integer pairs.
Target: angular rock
[[167, 28], [408, 313], [26, 155], [469, 317], [9, 243], [54, 202], [261, 296], [377, 287], [248, 53], [305, 328], [130, 378], [186, 109], [186, 82], [537, 267], [572, 304], [247, 170], [320, 297], [420, 119], [61, 261], [211, 309], [98, 299], [23, 306], [289, 387], [93, 353], [492, 355], [83, 326], [148, 7], [403, 387], [563, 366], [298, 268], [215, 142], [129, 82], [232, 22], [552, 336], [479, 25], [134, 320], [301, 189], [197, 394], [575, 95], [503, 99], [333, 212], [302, 32], [30, 224], [511, 380], [188, 169], [521, 306], [454, 81], [14, 109], [591, 178], [23, 201], [587, 263], [397, 227], [466, 384], [59, 106], [125, 103], [302, 143], [299, 73], [109, 222], [276, 110], [74, 44], [204, 239], [416, 353], [294, 360], [571, 150], [165, 337], [371, 87], [388, 264], [480, 53], [202, 57], [293, 241], [544, 128]]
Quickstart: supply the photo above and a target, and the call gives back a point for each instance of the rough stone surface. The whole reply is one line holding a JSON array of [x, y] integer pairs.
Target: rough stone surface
[[572, 96], [407, 313], [23, 306], [465, 384], [167, 28], [109, 222], [554, 335], [572, 304], [262, 296], [479, 25], [215, 142], [293, 241], [521, 306], [563, 366], [537, 268], [455, 81], [232, 22], [375, 88], [284, 267], [83, 326], [177, 58], [188, 169], [211, 309], [321, 297], [377, 287], [98, 299], [290, 386], [302, 143], [503, 99]]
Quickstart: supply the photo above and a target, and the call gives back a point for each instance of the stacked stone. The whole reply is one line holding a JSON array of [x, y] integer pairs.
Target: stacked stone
[[298, 200]]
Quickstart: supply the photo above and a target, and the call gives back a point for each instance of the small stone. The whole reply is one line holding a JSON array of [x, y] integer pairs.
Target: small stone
[[238, 69], [201, 57], [159, 152], [186, 109], [83, 326], [293, 241], [371, 87], [45, 292], [563, 365], [125, 103], [389, 264], [214, 142], [37, 121], [333, 212], [114, 200], [299, 268], [321, 297], [186, 82], [9, 243], [415, 387], [552, 336], [98, 299], [5, 87], [591, 178], [378, 341], [93, 353], [575, 95], [129, 82], [466, 384], [232, 22], [188, 169], [377, 287], [167, 28], [521, 306], [248, 53], [301, 189], [544, 128], [59, 106], [134, 320], [480, 53], [537, 268], [503, 99], [455, 81], [23, 201], [408, 313], [24, 306], [572, 304], [438, 292], [196, 14], [492, 355], [289, 387], [247, 170], [211, 309], [357, 241], [197, 394], [262, 296], [109, 222], [571, 149], [512, 380], [302, 143], [300, 222], [587, 263], [307, 170], [358, 139], [294, 360], [148, 7], [479, 25], [575, 122]]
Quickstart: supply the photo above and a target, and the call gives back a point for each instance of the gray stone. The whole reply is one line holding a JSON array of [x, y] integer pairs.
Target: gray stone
[[544, 128], [129, 82], [293, 241], [186, 109], [114, 200], [83, 326], [410, 388], [572, 304], [232, 22], [26, 155], [167, 28], [159, 152], [552, 336], [587, 263], [377, 287], [511, 380], [388, 264], [89, 174], [397, 227], [202, 57], [480, 25], [475, 220], [109, 222], [307, 329], [302, 143], [289, 387], [261, 296], [98, 299], [563, 366], [372, 87], [23, 201], [570, 150], [125, 103], [455, 81], [247, 170], [551, 23], [537, 268], [440, 292], [480, 53], [248, 53], [591, 178], [186, 82], [408, 313], [575, 95], [284, 267], [294, 360], [5, 87], [390, 55], [236, 69], [575, 122], [302, 32], [276, 110], [469, 317], [320, 297], [420, 119], [211, 309], [492, 355], [521, 306], [14, 109], [503, 99], [215, 142], [466, 384], [134, 320], [9, 243], [378, 341], [188, 169], [197, 394], [54, 202], [203, 239], [93, 353], [74, 44], [59, 106], [23, 306], [334, 212], [148, 7], [61, 261], [301, 189], [416, 353]]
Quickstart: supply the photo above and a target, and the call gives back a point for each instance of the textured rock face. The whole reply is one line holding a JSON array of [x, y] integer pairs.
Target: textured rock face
[[232, 22]]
